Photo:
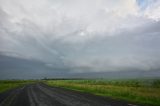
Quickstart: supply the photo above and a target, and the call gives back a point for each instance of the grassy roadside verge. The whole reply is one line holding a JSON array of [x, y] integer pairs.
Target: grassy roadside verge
[[145, 92], [10, 84]]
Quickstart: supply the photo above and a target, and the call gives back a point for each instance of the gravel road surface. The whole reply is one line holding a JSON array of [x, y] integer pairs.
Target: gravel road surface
[[42, 95]]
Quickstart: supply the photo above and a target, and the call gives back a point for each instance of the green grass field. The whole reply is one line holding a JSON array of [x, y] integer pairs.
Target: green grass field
[[145, 92], [10, 84]]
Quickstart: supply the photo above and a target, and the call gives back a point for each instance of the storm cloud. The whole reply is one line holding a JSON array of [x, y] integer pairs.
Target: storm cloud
[[79, 36]]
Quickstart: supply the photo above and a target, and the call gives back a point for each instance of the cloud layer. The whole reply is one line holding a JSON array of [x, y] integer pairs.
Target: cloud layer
[[83, 35]]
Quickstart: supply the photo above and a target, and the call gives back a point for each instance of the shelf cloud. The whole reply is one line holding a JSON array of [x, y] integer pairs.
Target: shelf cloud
[[81, 36]]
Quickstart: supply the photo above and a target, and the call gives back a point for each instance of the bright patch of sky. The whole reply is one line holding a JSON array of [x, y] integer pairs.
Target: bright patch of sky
[[145, 3]]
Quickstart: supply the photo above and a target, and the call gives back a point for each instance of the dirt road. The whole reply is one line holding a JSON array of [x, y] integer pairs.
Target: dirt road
[[43, 95]]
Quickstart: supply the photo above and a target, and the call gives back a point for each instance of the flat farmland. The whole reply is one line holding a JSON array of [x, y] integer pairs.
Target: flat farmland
[[144, 91]]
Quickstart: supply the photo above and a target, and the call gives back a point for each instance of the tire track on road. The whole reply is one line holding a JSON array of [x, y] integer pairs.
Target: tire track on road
[[40, 94]]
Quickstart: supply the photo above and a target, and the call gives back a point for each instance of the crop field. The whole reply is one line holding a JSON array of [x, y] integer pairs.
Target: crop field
[[10, 84], [144, 91]]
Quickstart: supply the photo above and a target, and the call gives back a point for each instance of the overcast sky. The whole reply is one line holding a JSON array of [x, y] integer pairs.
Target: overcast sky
[[79, 36]]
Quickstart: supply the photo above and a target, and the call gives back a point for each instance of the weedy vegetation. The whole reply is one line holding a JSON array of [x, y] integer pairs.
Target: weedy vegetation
[[146, 91]]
